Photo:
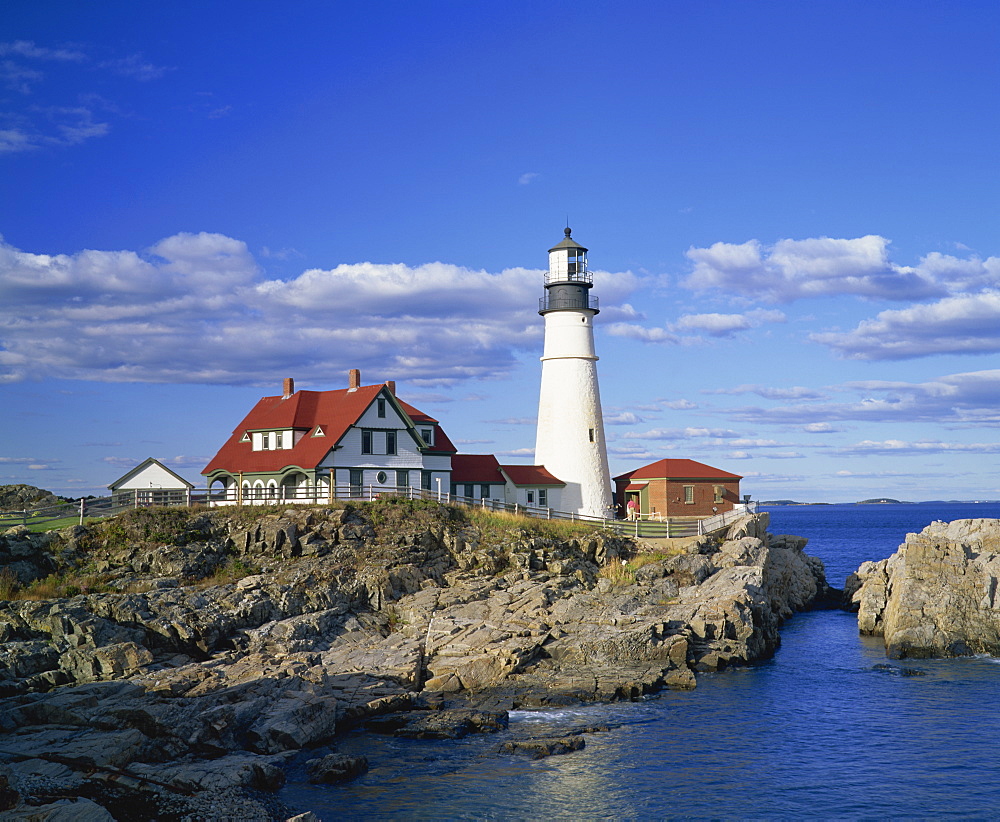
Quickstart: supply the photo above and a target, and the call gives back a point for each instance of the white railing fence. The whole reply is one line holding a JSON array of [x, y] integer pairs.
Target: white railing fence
[[95, 507]]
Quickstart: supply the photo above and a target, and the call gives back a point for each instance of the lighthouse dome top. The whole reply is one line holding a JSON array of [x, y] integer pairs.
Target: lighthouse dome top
[[568, 242]]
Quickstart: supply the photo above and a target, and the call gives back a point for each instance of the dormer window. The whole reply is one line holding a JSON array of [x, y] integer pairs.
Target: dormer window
[[265, 441], [279, 440], [427, 435]]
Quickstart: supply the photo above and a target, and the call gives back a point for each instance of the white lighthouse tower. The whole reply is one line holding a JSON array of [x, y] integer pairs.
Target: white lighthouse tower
[[570, 438]]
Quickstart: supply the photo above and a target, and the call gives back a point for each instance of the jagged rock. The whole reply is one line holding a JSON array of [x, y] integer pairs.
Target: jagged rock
[[336, 767], [937, 595], [538, 748]]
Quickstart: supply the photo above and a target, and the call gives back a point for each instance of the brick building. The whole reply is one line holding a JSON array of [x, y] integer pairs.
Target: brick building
[[678, 488]]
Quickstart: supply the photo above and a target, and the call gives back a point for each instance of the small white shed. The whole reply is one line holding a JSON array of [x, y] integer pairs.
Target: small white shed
[[151, 483]]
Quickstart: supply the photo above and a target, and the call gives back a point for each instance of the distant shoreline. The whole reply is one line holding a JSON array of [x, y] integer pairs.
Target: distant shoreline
[[880, 501]]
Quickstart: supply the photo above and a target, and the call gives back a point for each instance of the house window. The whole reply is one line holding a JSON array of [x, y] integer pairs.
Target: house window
[[279, 440], [366, 441], [357, 480], [543, 497], [402, 479], [381, 477], [427, 434], [484, 491], [425, 480], [468, 490], [719, 491], [390, 442], [688, 494], [531, 498], [265, 442], [380, 403]]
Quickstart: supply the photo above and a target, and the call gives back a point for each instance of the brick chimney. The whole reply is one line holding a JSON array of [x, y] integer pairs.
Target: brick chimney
[[391, 385], [353, 379], [289, 388]]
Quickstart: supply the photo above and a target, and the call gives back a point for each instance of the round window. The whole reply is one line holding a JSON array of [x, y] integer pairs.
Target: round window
[[380, 477]]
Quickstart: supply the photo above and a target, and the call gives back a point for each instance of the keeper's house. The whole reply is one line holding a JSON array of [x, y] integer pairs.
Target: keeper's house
[[678, 488], [363, 439]]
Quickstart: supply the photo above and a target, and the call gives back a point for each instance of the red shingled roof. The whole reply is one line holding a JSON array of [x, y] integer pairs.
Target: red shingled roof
[[480, 468], [677, 469], [333, 411], [530, 475]]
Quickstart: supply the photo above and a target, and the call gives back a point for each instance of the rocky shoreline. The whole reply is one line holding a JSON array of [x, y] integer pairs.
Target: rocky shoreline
[[216, 645]]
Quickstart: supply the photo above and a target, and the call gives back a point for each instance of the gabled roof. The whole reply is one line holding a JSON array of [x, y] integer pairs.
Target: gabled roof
[[677, 469], [142, 466], [530, 475], [334, 412], [479, 468], [442, 445]]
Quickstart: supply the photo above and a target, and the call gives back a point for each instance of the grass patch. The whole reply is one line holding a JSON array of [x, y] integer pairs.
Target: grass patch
[[622, 572], [54, 586], [505, 525], [232, 571]]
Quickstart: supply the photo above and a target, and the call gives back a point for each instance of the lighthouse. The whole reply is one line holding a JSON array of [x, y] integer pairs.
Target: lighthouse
[[569, 441]]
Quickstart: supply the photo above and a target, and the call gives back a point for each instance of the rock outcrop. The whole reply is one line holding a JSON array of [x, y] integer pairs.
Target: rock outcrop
[[216, 644], [937, 595], [26, 498]]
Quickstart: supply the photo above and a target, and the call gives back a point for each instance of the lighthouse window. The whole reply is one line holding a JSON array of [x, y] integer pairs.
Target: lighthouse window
[[591, 434]]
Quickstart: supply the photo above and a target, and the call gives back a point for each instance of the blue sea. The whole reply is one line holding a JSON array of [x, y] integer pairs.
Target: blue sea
[[828, 728]]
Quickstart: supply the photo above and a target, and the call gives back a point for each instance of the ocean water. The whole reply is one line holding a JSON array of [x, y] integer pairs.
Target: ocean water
[[828, 728]]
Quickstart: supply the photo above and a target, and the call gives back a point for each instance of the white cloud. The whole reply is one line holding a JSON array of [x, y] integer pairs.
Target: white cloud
[[641, 333], [27, 48], [622, 418], [903, 448], [135, 66], [681, 433], [963, 324], [962, 400], [689, 327], [725, 325], [527, 178], [195, 308], [770, 392], [822, 267]]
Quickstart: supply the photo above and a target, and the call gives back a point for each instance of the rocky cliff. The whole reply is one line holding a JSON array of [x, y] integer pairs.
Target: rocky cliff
[[201, 649], [937, 595]]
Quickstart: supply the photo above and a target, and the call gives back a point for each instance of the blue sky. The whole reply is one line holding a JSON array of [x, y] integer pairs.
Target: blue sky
[[791, 207]]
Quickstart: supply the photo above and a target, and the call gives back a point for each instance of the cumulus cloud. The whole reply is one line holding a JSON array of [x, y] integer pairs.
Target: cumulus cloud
[[962, 324], [197, 308], [824, 266]]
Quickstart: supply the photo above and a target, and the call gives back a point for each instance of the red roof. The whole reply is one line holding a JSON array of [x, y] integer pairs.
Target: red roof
[[332, 411], [480, 468], [677, 469], [530, 475]]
